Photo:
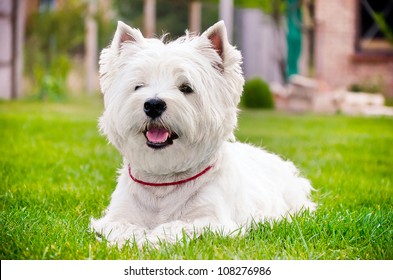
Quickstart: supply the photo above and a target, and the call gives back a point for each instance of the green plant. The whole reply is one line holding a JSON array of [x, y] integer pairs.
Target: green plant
[[52, 38], [272, 7], [375, 85], [170, 15], [51, 82], [389, 101], [382, 24], [257, 94]]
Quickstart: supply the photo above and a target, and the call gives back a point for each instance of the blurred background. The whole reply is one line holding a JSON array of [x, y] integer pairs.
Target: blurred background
[[324, 56]]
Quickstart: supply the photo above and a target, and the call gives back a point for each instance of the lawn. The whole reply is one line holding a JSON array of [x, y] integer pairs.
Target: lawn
[[57, 172]]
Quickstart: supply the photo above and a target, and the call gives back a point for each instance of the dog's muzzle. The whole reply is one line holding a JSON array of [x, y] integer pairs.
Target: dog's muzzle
[[159, 137], [154, 108]]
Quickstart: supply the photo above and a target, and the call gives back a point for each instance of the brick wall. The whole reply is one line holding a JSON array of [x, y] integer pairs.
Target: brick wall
[[336, 60]]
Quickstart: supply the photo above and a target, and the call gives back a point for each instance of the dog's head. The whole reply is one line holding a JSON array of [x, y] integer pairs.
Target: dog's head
[[170, 106]]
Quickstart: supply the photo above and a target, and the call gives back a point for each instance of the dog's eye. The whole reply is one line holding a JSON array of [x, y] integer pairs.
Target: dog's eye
[[138, 87], [186, 89]]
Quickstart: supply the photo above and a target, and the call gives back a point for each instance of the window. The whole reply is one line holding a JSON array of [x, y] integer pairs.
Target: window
[[375, 27]]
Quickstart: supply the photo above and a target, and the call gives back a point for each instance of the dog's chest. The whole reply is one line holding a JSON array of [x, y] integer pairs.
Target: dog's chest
[[158, 206]]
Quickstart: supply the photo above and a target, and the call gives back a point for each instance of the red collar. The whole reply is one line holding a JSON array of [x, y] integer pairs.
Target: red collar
[[169, 183]]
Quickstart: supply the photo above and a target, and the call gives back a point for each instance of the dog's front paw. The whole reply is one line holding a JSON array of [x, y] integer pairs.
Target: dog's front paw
[[118, 233], [171, 232]]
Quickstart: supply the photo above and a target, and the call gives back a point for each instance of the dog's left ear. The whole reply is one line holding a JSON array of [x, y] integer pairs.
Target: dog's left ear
[[229, 61], [217, 35]]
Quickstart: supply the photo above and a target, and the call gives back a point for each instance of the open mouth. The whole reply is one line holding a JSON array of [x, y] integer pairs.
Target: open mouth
[[159, 137]]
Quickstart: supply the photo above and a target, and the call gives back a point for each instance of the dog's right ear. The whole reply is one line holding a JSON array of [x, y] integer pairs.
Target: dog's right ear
[[109, 56], [124, 34]]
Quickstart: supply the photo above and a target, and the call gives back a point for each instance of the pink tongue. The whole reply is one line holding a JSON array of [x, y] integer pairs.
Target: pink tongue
[[157, 135]]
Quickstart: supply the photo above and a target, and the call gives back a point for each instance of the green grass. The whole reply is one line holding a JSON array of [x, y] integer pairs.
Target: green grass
[[56, 172]]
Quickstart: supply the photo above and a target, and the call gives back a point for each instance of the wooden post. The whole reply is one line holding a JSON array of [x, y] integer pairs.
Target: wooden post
[[11, 47], [19, 33], [149, 12], [226, 14], [195, 16], [91, 48]]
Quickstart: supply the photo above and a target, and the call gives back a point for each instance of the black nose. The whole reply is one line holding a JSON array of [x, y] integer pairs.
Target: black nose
[[154, 107]]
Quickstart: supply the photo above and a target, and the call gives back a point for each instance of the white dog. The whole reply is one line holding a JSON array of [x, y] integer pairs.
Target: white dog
[[171, 109]]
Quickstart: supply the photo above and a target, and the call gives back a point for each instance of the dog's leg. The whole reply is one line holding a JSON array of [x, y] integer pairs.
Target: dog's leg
[[173, 231], [119, 232]]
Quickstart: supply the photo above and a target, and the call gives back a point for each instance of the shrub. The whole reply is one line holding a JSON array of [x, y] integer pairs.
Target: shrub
[[53, 38], [51, 81], [369, 86], [257, 94]]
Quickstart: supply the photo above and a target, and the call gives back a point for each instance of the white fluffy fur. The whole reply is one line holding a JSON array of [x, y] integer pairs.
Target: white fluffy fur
[[246, 183]]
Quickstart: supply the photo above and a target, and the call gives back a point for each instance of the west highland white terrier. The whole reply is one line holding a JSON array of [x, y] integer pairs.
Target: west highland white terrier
[[171, 110]]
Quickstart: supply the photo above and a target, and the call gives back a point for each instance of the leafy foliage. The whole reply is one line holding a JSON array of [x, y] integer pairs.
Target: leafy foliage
[[51, 36], [382, 24], [374, 84], [268, 6], [171, 15], [53, 39], [257, 94]]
